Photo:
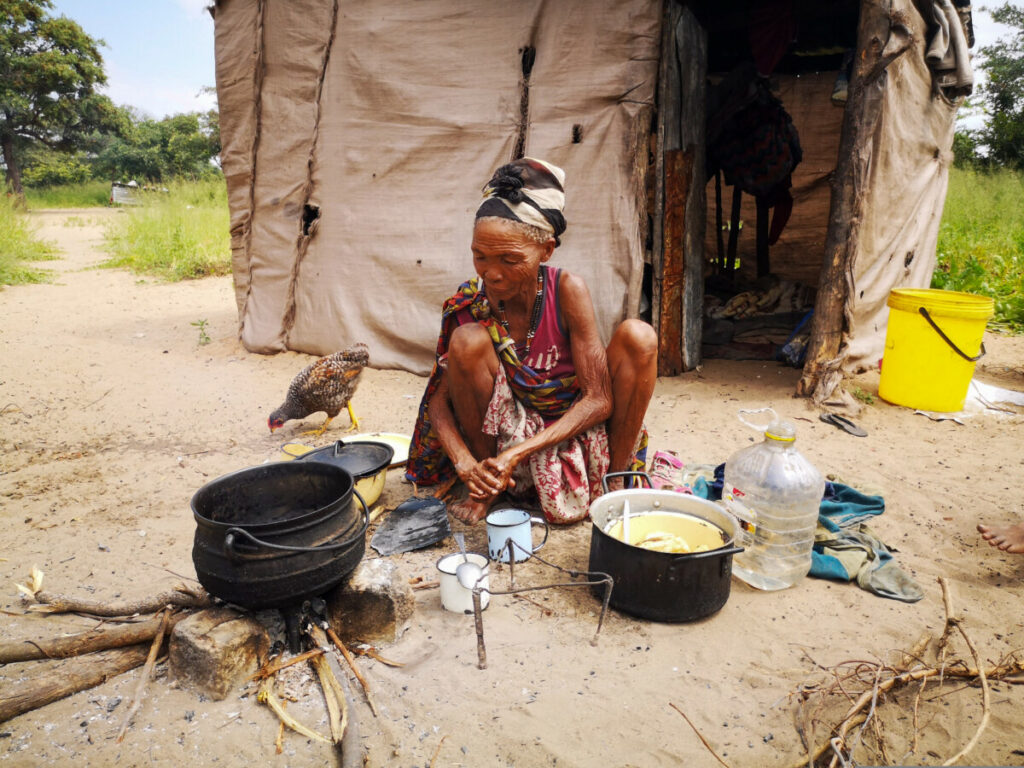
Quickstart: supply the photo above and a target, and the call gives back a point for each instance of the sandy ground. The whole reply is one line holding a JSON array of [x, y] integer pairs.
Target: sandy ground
[[113, 415]]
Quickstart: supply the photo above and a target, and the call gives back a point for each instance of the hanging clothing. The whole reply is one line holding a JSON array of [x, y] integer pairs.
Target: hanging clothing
[[947, 53], [757, 151]]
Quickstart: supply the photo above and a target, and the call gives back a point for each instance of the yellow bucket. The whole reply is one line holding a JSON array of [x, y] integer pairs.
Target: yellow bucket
[[932, 343]]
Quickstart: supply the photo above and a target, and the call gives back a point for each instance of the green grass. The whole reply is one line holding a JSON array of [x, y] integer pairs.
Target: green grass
[[864, 396], [175, 236], [981, 242], [19, 245], [88, 194]]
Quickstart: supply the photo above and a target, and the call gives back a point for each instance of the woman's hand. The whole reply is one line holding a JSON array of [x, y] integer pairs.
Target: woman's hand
[[486, 479]]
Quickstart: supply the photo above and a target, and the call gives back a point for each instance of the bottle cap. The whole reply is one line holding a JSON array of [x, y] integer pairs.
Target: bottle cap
[[783, 431]]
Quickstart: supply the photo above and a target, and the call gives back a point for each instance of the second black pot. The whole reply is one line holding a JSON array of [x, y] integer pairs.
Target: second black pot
[[662, 586]]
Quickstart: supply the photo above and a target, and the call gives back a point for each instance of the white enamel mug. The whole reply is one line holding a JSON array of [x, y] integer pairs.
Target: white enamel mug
[[454, 596], [514, 524]]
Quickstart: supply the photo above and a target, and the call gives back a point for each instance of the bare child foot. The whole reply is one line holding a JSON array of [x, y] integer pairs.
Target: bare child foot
[[1009, 538]]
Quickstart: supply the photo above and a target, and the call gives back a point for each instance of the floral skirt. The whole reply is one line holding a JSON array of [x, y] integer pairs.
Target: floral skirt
[[565, 477]]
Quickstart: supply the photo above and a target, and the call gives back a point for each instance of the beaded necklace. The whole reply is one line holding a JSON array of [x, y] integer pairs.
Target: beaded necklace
[[538, 305]]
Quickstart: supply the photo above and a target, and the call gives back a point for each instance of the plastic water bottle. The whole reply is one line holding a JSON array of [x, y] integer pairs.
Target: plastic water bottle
[[775, 493]]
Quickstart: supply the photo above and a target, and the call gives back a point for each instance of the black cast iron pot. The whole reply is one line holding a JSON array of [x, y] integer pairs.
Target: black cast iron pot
[[661, 586], [274, 535]]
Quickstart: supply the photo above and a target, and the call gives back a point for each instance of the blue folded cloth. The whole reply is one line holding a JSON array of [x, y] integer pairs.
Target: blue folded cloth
[[846, 549], [711, 491], [843, 506]]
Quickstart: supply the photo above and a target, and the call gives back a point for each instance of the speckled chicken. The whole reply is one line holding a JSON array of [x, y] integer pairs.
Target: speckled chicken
[[324, 385]]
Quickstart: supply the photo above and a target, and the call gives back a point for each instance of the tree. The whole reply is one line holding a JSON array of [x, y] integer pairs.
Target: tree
[[209, 125], [965, 150], [42, 167], [1002, 94], [155, 150], [49, 68]]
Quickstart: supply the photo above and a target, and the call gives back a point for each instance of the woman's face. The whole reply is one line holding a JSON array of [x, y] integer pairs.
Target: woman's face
[[507, 260]]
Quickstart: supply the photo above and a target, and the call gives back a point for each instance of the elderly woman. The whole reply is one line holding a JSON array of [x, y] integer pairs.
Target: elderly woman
[[524, 397]]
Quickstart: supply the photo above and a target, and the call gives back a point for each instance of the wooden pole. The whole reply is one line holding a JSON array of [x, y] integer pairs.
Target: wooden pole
[[720, 261], [692, 58], [680, 207], [678, 165], [881, 38], [764, 266], [180, 597], [658, 214], [355, 670], [734, 233], [334, 694]]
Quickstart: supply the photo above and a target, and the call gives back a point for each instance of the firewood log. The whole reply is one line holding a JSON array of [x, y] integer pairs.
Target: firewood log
[[85, 642], [66, 677]]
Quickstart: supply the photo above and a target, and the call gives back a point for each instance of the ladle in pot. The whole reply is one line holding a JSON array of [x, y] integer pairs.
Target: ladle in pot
[[467, 573], [625, 521]]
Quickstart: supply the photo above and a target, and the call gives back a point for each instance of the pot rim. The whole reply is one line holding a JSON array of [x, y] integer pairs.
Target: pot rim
[[672, 496], [297, 523]]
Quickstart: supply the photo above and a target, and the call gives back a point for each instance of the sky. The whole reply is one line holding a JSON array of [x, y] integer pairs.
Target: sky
[[159, 53]]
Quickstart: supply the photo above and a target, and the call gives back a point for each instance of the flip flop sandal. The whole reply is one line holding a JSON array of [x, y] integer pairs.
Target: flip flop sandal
[[843, 423]]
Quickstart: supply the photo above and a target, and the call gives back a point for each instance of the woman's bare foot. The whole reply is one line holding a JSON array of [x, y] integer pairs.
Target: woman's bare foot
[[1009, 538], [470, 511]]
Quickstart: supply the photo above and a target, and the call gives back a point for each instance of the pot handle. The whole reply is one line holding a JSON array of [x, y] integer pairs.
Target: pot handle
[[678, 561], [232, 552], [644, 475]]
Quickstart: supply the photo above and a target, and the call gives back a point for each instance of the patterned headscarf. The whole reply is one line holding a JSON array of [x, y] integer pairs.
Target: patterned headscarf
[[530, 191]]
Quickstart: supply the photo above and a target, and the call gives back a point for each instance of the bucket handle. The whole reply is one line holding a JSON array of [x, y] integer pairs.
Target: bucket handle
[[945, 338], [234, 554]]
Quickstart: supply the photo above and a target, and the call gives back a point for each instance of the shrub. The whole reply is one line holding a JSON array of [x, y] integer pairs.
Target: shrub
[[981, 241], [19, 245], [55, 168], [176, 235]]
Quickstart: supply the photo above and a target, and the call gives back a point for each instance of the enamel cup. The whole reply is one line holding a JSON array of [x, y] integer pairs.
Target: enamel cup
[[514, 524], [454, 596]]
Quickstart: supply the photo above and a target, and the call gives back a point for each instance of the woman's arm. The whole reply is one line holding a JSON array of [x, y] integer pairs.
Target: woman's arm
[[480, 482]]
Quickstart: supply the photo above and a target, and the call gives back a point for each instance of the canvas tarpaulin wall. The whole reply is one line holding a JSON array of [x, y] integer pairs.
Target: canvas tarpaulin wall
[[357, 136], [907, 184]]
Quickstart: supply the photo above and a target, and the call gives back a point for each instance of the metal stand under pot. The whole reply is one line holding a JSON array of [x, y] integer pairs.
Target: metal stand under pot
[[594, 580]]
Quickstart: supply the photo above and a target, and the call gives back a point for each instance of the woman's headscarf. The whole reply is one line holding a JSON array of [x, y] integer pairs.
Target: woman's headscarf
[[530, 191]]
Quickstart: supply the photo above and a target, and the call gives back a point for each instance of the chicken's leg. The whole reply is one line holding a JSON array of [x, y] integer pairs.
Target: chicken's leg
[[352, 416], [321, 430]]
